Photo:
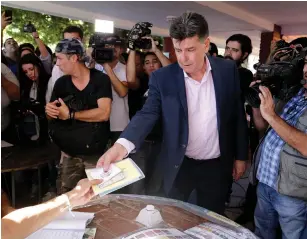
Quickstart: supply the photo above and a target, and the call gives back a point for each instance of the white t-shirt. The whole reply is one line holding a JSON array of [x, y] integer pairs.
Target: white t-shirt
[[119, 117], [56, 74], [5, 100]]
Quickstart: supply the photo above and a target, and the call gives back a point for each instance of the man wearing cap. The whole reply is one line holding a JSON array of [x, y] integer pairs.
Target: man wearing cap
[[79, 112]]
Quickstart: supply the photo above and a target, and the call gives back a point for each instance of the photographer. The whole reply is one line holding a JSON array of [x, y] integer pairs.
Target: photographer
[[280, 164], [79, 113], [116, 70], [146, 157]]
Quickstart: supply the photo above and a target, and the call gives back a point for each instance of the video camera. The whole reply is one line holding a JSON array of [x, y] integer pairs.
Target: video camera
[[282, 76], [29, 28], [135, 35], [102, 44]]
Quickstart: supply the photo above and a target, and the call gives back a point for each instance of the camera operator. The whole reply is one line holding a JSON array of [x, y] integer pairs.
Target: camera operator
[[116, 70], [146, 157], [79, 112], [69, 32], [281, 164]]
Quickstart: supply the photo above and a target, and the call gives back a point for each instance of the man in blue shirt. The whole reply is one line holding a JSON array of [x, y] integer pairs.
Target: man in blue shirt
[[288, 131]]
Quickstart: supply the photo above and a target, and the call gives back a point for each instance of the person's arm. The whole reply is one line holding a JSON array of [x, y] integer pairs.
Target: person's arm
[[41, 46], [25, 221], [132, 79], [4, 22], [162, 58], [138, 128], [10, 88], [119, 86], [260, 123], [292, 136]]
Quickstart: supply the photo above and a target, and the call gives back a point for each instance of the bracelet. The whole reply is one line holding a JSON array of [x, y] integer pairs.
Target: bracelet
[[68, 205]]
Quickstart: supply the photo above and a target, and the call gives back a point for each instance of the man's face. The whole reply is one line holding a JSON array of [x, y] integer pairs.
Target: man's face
[[65, 63], [138, 65], [190, 53], [233, 52], [69, 35], [305, 72], [151, 63], [11, 45]]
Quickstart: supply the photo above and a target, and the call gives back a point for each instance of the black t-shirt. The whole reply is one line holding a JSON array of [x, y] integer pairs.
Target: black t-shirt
[[246, 78], [99, 86]]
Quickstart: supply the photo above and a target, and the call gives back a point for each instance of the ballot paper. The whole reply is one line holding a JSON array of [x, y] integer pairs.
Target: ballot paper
[[65, 227], [119, 175]]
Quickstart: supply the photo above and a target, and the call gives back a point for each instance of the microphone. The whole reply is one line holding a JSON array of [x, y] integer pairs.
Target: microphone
[[303, 81]]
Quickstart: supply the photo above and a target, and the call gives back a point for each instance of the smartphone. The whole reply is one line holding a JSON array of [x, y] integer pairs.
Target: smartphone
[[9, 13]]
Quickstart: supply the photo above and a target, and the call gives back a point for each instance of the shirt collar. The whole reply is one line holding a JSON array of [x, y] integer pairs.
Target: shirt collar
[[208, 68]]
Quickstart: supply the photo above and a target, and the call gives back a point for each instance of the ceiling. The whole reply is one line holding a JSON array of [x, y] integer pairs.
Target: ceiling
[[224, 18]]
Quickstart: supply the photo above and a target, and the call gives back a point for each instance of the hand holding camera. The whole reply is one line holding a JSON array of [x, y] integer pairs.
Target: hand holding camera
[[57, 110], [6, 19], [136, 34], [30, 28]]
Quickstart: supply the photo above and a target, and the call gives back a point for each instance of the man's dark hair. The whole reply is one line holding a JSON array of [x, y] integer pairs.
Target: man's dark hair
[[71, 29], [188, 25], [213, 49], [245, 42], [38, 52]]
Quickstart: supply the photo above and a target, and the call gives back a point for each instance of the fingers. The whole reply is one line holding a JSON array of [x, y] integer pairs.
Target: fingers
[[96, 181], [106, 163], [61, 101]]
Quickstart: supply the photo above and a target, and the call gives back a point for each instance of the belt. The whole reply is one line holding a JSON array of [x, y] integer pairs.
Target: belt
[[201, 160]]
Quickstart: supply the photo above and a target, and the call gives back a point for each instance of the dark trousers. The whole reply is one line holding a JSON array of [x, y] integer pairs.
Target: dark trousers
[[210, 180]]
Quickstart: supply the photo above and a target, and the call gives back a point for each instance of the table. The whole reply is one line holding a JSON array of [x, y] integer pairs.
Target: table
[[115, 215], [18, 158]]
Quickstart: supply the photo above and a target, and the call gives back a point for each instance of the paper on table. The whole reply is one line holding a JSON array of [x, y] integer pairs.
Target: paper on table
[[131, 171], [5, 144], [58, 234], [65, 226]]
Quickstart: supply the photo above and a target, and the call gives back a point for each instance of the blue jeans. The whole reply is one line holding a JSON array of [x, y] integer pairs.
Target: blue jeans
[[273, 208]]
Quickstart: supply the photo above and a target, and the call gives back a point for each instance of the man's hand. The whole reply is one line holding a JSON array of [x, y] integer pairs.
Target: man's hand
[[267, 104], [52, 110], [116, 153], [238, 169], [5, 21], [106, 67], [83, 192], [154, 47], [63, 110]]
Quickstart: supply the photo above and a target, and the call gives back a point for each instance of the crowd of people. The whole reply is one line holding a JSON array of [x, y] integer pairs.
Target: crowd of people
[[184, 123]]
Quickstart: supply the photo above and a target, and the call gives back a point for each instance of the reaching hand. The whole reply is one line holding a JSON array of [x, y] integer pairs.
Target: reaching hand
[[5, 21], [116, 153], [83, 192]]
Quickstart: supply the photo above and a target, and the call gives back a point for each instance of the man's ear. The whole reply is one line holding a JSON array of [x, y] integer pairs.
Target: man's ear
[[207, 44], [245, 56]]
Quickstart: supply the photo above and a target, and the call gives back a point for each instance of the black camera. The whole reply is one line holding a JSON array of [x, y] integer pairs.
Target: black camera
[[135, 40], [283, 78], [103, 47], [29, 28]]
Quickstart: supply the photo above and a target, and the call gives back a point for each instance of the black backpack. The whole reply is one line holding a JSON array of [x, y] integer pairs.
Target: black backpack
[[78, 137]]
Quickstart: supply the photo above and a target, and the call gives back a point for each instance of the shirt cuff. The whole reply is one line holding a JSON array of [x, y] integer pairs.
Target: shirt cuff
[[129, 146]]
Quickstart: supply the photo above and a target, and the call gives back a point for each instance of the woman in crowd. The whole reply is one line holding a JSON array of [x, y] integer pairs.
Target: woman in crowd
[[33, 85]]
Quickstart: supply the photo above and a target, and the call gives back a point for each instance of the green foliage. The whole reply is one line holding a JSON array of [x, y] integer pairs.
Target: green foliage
[[49, 27]]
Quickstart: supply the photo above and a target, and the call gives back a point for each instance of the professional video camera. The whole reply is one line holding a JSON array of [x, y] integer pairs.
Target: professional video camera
[[282, 76], [103, 47], [29, 28], [135, 40]]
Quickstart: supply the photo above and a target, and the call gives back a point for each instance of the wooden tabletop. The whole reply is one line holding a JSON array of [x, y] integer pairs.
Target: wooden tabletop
[[18, 158], [117, 217]]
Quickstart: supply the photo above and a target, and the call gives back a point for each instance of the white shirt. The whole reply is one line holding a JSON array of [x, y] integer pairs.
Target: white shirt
[[5, 100], [56, 74], [203, 141], [119, 117]]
